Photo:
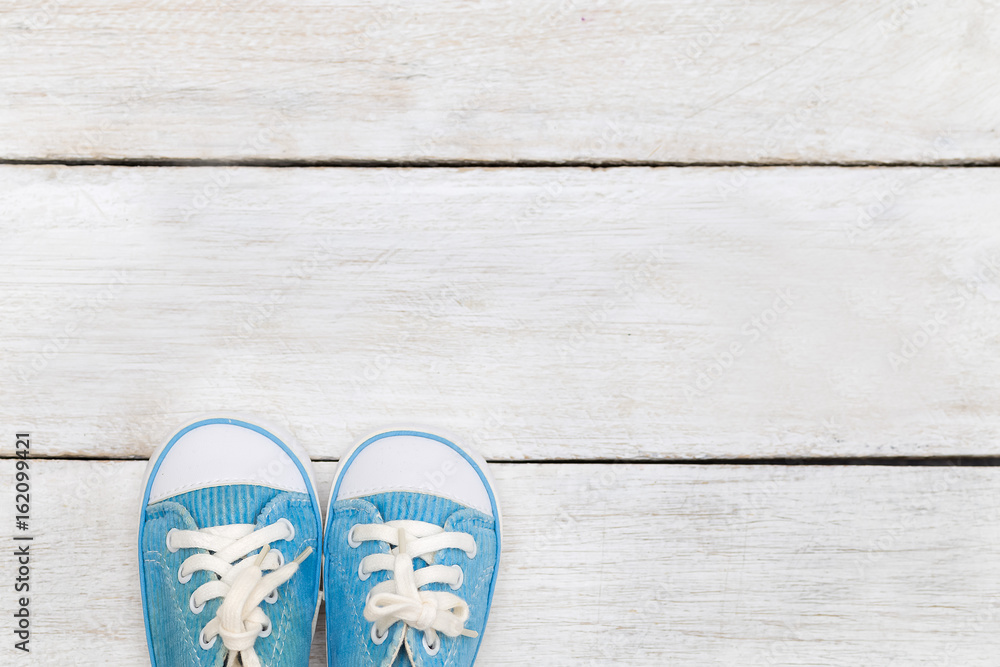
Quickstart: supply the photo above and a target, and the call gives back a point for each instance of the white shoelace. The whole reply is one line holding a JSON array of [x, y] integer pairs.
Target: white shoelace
[[400, 598], [241, 581]]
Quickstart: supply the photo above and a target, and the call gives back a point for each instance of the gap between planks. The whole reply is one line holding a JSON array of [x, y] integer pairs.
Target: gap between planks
[[880, 461], [488, 164]]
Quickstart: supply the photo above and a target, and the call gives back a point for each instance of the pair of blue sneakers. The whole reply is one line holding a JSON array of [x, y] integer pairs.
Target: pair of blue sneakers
[[232, 549]]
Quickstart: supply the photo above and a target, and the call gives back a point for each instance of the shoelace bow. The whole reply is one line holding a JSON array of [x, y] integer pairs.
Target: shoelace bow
[[400, 598], [241, 581]]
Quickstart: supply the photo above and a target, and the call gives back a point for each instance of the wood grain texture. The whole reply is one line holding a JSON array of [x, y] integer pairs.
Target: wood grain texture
[[545, 314], [659, 80], [622, 564]]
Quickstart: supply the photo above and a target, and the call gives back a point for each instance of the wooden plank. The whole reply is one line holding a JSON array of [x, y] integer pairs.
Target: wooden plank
[[660, 80], [622, 564], [545, 314]]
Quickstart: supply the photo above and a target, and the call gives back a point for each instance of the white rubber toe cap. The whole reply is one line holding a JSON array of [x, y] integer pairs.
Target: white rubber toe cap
[[221, 454], [413, 463]]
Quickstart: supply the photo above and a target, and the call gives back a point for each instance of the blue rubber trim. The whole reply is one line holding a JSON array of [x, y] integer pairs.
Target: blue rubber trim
[[149, 483], [475, 466]]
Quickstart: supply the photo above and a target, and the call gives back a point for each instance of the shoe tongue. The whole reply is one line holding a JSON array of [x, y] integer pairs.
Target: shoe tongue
[[402, 660], [225, 505], [405, 505]]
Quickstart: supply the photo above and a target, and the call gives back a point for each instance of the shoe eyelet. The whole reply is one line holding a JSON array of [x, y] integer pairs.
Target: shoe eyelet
[[431, 650], [472, 554], [362, 575], [350, 539], [182, 578], [272, 597], [376, 637], [266, 631], [281, 557], [206, 644], [290, 527], [170, 545], [461, 577], [195, 609]]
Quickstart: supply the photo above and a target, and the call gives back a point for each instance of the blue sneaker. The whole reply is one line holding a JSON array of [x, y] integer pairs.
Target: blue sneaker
[[412, 553], [229, 548]]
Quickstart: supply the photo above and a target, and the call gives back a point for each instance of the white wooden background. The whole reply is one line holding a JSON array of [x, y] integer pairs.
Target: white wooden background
[[550, 80], [554, 227]]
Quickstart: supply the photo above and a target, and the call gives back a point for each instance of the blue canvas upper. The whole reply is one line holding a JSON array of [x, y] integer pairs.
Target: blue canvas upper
[[349, 640], [173, 629]]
